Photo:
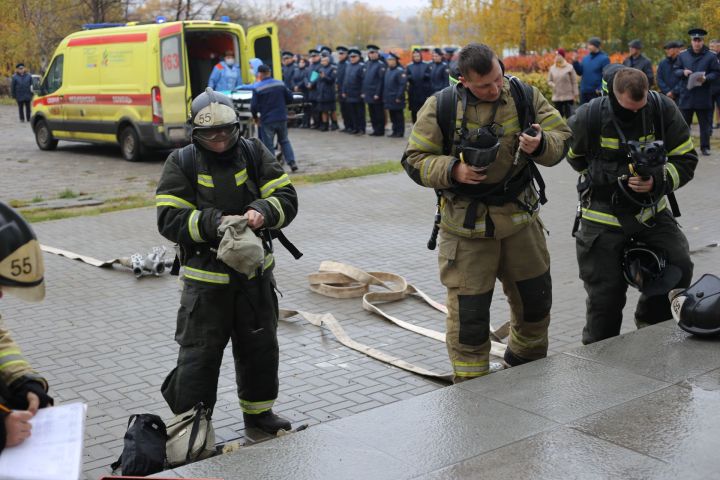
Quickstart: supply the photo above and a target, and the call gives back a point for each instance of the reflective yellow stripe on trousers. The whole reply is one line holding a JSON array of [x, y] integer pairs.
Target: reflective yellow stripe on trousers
[[206, 276], [471, 369], [256, 407]]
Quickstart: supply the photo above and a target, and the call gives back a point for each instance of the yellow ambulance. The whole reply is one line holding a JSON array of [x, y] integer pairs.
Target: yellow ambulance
[[132, 85]]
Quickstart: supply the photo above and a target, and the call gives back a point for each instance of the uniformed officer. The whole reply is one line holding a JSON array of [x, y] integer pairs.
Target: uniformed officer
[[332, 122], [450, 57], [201, 185], [288, 69], [311, 85], [439, 72], [352, 93], [299, 85], [636, 59], [226, 75], [698, 99], [21, 274], [326, 92], [418, 76], [612, 145], [342, 64], [372, 90], [394, 95], [489, 225], [667, 81]]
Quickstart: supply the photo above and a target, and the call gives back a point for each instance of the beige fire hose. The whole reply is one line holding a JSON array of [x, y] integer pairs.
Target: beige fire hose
[[339, 280]]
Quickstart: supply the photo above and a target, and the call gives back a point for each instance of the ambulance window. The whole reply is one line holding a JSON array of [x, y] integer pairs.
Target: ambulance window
[[263, 51], [53, 80], [171, 61]]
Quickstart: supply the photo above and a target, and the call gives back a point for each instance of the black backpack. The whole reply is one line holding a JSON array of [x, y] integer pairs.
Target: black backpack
[[144, 446], [510, 186]]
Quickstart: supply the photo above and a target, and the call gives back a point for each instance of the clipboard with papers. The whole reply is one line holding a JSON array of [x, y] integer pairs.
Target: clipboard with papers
[[54, 449]]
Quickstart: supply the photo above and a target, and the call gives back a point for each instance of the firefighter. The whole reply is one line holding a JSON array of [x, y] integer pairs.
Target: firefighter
[[623, 201], [216, 177], [489, 224], [22, 275]]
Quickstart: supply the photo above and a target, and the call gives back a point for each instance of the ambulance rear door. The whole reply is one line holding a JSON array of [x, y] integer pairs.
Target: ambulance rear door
[[263, 43], [174, 89]]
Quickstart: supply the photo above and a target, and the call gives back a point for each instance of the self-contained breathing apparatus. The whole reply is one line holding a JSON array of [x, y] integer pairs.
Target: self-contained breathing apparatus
[[646, 159], [479, 148]]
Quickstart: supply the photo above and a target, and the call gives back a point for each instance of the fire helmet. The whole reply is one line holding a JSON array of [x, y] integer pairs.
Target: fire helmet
[[648, 269], [214, 121], [697, 308], [21, 264]]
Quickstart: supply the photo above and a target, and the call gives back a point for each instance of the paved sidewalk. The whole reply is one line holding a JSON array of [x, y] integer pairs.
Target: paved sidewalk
[[105, 338], [101, 172]]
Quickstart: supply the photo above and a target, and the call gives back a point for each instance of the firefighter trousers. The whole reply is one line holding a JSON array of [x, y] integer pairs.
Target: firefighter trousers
[[244, 312], [468, 269], [599, 254]]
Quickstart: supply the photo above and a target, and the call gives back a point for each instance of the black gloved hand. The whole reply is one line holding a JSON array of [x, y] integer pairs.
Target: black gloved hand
[[20, 389]]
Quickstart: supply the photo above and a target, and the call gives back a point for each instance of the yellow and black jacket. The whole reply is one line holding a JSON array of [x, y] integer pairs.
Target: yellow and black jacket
[[189, 209], [603, 158], [426, 165]]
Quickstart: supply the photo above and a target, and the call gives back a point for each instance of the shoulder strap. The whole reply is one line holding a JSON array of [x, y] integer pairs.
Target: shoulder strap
[[187, 162], [522, 94], [446, 114], [593, 122]]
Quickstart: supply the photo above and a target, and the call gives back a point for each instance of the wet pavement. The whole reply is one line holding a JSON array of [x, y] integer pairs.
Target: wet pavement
[[583, 414], [105, 338]]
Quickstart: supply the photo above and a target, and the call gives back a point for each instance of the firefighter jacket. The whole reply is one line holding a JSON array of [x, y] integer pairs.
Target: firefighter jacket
[[13, 366], [189, 209], [605, 158], [17, 378], [427, 166]]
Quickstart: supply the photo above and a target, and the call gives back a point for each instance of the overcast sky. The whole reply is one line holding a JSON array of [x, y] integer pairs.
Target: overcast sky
[[398, 8]]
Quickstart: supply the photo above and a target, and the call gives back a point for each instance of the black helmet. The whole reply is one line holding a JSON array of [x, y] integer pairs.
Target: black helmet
[[21, 262], [608, 75], [648, 270], [214, 121], [697, 309]]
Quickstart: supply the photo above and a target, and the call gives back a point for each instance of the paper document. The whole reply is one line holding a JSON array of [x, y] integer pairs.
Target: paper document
[[53, 451], [693, 80]]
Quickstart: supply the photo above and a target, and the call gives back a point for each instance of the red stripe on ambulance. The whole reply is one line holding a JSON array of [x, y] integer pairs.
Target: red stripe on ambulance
[[82, 99], [169, 30], [122, 38]]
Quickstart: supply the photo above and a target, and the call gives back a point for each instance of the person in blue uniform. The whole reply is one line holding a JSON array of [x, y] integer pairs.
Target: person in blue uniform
[[311, 85], [226, 74], [418, 77], [372, 90], [288, 68], [326, 92], [667, 81], [352, 93], [697, 100], [394, 94], [299, 85], [342, 64], [439, 72]]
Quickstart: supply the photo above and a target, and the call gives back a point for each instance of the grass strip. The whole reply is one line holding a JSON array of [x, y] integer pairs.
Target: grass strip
[[35, 215]]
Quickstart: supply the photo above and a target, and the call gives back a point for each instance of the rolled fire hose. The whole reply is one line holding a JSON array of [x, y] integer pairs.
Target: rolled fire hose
[[339, 280]]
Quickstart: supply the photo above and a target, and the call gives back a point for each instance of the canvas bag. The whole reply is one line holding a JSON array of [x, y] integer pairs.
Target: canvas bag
[[191, 436]]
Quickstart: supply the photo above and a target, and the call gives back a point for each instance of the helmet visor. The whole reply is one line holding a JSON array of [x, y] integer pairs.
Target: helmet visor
[[217, 139]]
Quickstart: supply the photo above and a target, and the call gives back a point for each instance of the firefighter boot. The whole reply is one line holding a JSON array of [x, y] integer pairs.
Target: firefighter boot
[[266, 421]]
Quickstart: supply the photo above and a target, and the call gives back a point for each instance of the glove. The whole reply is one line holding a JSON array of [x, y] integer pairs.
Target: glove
[[20, 389]]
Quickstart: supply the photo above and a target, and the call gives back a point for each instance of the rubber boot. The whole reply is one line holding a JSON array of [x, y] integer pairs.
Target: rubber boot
[[266, 421]]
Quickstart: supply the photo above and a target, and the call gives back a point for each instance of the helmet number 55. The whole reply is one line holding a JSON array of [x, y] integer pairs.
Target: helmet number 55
[[17, 269]]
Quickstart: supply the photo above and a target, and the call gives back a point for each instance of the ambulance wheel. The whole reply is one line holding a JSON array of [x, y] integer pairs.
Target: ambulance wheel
[[130, 146], [43, 136]]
